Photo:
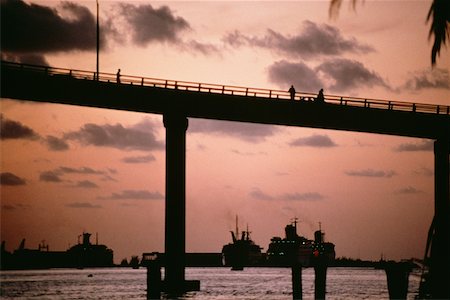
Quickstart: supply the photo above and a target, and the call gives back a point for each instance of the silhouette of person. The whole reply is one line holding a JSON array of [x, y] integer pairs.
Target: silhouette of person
[[320, 98], [292, 92], [118, 76]]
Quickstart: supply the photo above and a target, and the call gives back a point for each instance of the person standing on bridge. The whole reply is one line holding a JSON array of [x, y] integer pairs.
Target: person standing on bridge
[[292, 92], [320, 98], [118, 76]]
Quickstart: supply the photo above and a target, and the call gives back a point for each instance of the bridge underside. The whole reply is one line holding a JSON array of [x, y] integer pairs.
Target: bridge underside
[[177, 105]]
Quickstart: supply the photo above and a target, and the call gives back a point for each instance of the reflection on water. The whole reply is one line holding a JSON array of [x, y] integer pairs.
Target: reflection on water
[[216, 283]]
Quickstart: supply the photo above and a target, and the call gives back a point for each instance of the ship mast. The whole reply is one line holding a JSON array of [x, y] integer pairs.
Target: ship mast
[[237, 227]]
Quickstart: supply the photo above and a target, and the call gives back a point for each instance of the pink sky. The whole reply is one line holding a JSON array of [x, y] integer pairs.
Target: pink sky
[[74, 169]]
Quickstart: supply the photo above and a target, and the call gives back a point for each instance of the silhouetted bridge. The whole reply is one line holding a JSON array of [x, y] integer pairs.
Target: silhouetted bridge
[[178, 100]]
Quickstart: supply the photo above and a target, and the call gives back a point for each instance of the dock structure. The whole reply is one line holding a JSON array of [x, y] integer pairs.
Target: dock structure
[[179, 100]]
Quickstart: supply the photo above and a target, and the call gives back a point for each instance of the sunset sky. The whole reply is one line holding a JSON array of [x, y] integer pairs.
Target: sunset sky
[[67, 169]]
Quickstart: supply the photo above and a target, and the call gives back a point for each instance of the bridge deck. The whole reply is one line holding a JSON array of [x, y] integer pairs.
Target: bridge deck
[[223, 102]]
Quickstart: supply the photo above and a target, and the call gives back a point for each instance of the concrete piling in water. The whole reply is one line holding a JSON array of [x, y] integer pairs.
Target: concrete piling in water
[[154, 281], [297, 293], [397, 274], [320, 281]]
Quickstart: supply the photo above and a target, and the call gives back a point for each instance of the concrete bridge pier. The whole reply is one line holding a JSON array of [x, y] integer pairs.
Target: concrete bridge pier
[[175, 216], [440, 245]]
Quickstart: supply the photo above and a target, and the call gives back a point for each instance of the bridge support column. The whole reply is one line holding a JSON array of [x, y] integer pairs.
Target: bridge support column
[[440, 246], [175, 224]]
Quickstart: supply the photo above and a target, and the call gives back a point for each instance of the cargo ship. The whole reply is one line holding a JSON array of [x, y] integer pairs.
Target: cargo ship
[[82, 255], [242, 252], [296, 249]]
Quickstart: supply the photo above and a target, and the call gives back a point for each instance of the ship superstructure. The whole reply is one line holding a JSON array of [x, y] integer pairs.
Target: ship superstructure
[[297, 249], [242, 252]]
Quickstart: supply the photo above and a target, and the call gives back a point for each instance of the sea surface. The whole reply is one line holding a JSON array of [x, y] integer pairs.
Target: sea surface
[[215, 283]]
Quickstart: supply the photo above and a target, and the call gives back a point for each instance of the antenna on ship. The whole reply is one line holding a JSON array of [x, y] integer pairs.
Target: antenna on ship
[[237, 226], [96, 238]]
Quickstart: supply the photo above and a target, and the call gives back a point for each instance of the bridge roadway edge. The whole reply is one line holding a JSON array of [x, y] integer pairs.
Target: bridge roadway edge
[[82, 92]]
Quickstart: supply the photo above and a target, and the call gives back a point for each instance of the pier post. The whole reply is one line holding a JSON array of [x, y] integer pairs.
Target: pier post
[[440, 245], [320, 281], [297, 293], [397, 274], [175, 223]]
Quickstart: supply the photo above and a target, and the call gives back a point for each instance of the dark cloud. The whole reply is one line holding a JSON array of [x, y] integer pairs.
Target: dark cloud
[[15, 130], [139, 159], [36, 29], [50, 176], [247, 153], [56, 144], [198, 47], [81, 170], [371, 173], [27, 58], [314, 40], [256, 193], [424, 145], [311, 196], [409, 191], [116, 136], [315, 140], [342, 74], [349, 74], [7, 178], [253, 133], [135, 195], [83, 205], [429, 79], [423, 171], [8, 207], [86, 184], [150, 24], [285, 73], [260, 195]]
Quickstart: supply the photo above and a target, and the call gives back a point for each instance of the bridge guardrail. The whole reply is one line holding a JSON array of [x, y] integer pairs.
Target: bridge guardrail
[[230, 89]]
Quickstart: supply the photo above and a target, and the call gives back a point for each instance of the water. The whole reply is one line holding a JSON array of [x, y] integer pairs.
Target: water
[[216, 283]]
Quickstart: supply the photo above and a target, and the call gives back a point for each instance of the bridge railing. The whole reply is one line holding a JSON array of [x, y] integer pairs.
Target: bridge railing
[[230, 89]]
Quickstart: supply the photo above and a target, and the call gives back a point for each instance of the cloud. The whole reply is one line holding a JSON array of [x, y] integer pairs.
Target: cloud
[[36, 29], [424, 145], [315, 140], [83, 205], [252, 133], [247, 153], [81, 170], [27, 58], [50, 176], [139, 159], [429, 79], [86, 184], [423, 171], [56, 144], [256, 193], [314, 40], [135, 195], [311, 196], [7, 178], [349, 74], [409, 191], [371, 173], [298, 74], [116, 136], [15, 130], [14, 206], [148, 24], [260, 195]]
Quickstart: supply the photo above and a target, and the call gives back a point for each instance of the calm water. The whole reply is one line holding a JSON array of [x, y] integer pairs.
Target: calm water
[[216, 283]]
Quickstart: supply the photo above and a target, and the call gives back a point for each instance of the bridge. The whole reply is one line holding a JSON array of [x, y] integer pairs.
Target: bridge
[[179, 100]]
